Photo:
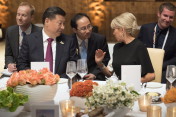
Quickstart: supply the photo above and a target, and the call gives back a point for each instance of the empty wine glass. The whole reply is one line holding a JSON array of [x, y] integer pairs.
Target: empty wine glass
[[171, 74], [82, 67], [71, 70]]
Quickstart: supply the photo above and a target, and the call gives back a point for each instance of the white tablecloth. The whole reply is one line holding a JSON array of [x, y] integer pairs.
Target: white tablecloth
[[62, 94]]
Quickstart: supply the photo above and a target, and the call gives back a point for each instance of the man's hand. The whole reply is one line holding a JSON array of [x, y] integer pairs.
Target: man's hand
[[89, 77], [12, 67]]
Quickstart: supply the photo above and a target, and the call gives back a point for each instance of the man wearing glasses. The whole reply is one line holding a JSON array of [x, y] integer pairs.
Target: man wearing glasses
[[87, 43]]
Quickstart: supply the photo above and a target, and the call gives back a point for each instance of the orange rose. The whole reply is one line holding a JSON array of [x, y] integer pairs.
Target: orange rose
[[82, 89]]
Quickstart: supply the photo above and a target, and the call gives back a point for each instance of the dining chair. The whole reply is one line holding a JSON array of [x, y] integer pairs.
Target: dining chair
[[156, 57]]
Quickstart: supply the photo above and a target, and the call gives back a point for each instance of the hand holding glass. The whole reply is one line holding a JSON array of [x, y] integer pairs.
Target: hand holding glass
[[82, 67], [71, 70]]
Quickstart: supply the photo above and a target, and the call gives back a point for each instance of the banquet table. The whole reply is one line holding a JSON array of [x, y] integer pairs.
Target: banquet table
[[62, 94]]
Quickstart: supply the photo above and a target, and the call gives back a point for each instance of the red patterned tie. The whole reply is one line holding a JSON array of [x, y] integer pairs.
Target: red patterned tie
[[49, 54]]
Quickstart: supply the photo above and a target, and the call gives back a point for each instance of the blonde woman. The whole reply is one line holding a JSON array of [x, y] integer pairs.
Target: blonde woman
[[128, 50]]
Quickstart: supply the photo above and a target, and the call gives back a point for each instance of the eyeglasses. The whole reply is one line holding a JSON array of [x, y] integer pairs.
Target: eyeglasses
[[83, 29]]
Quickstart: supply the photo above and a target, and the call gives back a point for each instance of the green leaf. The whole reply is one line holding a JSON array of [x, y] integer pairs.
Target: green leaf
[[11, 100]]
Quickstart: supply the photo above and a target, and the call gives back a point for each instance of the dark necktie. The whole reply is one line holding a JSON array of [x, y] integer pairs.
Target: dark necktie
[[49, 54], [84, 50], [23, 35]]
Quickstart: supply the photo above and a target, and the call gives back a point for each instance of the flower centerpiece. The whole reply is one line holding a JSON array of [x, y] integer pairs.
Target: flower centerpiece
[[40, 85], [170, 97], [33, 77], [112, 96], [81, 90]]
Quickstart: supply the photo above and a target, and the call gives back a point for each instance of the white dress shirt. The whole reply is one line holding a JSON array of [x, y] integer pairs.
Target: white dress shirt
[[45, 44]]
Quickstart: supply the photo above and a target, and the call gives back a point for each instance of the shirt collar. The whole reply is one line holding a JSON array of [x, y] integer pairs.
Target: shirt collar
[[45, 36], [28, 31], [162, 30], [80, 41]]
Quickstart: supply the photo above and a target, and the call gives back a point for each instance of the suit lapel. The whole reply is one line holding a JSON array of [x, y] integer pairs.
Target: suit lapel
[[152, 33], [15, 38], [60, 45], [169, 39], [90, 47], [77, 45], [40, 46]]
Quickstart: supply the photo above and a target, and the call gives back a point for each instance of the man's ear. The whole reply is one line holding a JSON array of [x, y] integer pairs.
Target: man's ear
[[46, 21], [74, 30], [158, 14]]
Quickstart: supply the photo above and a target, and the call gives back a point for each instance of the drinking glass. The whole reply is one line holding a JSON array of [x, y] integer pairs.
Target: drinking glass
[[82, 67], [154, 111], [71, 70], [171, 74]]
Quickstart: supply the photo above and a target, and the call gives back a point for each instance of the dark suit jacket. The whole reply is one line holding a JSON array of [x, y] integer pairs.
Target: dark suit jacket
[[12, 43], [32, 51], [96, 41], [146, 36]]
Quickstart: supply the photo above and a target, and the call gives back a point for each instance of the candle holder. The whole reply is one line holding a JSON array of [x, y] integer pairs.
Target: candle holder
[[65, 106], [171, 111], [153, 111], [144, 101], [72, 111]]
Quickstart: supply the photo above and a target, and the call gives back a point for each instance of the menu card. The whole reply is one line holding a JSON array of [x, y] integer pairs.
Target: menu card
[[131, 74]]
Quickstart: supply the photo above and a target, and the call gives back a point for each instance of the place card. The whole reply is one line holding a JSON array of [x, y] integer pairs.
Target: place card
[[39, 65], [131, 74]]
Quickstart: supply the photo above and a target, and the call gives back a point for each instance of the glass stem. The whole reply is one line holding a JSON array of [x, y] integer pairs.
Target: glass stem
[[171, 86], [70, 83]]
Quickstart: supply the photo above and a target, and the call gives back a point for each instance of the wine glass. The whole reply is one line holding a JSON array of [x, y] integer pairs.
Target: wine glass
[[82, 67], [171, 74], [71, 70]]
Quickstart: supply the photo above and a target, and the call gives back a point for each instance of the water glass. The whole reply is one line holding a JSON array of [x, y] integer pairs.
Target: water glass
[[171, 74], [153, 111], [171, 111], [71, 70], [82, 67]]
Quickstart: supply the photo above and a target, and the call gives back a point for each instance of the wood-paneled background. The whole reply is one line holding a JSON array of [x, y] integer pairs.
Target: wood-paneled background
[[101, 12]]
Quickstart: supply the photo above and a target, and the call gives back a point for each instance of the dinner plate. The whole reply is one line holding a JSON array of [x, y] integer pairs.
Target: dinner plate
[[63, 80], [6, 72], [154, 85]]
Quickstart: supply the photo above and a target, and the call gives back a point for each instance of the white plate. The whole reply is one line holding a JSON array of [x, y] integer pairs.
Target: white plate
[[154, 85], [6, 72], [63, 80]]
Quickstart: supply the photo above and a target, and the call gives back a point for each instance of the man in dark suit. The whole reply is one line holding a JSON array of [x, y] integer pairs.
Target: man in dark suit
[[14, 34], [81, 25], [61, 48], [162, 35]]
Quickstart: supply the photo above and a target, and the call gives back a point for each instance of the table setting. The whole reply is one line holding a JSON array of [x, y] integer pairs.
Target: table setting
[[107, 98]]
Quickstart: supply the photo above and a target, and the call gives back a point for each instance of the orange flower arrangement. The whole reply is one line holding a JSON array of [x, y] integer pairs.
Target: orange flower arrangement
[[82, 89], [170, 96], [42, 77]]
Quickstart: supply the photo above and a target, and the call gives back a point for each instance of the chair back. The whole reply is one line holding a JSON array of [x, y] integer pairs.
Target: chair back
[[156, 57]]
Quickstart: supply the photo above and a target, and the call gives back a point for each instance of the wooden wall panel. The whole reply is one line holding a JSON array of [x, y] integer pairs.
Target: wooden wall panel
[[144, 11]]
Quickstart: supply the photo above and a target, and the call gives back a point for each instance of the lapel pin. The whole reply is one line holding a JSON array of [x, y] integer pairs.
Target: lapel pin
[[77, 51], [61, 42]]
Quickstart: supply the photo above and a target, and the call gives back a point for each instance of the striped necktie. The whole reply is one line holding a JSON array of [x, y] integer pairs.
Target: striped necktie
[[83, 50]]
